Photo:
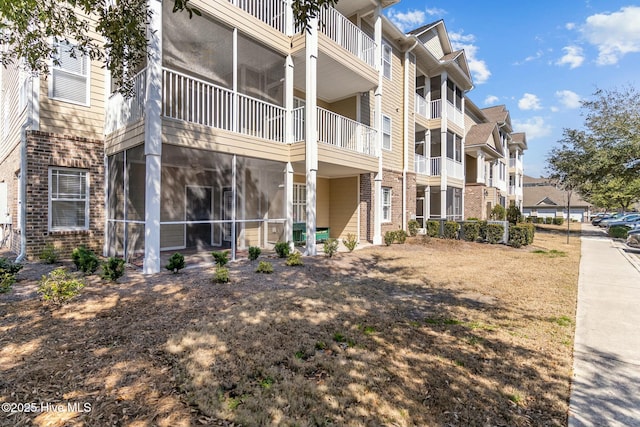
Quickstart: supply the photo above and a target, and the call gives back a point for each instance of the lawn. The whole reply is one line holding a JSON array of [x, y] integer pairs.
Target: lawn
[[431, 332]]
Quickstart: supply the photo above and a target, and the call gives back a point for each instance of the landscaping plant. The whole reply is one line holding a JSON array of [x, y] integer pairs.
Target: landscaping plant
[[221, 258], [350, 242], [113, 269], [264, 267], [85, 260], [49, 255], [282, 249], [254, 252], [59, 286], [294, 259], [330, 247], [176, 263]]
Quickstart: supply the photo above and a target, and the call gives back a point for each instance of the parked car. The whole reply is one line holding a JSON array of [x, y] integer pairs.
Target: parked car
[[607, 215], [626, 220], [612, 218], [633, 239]]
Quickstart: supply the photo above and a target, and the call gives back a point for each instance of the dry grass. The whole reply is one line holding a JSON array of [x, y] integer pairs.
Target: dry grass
[[434, 333]]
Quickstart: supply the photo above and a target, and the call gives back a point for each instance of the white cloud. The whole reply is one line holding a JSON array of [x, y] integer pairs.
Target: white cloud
[[479, 69], [573, 57], [568, 99], [491, 99], [615, 34], [529, 101], [535, 127], [407, 21], [554, 109], [570, 25]]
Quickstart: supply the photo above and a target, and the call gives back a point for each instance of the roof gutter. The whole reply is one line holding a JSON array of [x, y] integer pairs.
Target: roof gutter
[[406, 135]]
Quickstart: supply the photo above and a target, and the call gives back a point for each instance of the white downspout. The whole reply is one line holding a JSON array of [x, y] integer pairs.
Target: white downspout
[[406, 136]]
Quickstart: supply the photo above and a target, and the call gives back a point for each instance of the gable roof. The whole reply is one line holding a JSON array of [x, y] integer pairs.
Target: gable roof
[[519, 139], [484, 136], [545, 194]]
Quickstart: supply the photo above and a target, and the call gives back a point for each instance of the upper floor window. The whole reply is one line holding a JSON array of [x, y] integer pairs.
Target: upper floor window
[[69, 75], [68, 199], [386, 132], [386, 60]]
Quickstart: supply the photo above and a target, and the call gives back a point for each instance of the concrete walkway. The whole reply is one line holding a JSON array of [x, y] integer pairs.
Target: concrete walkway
[[606, 368]]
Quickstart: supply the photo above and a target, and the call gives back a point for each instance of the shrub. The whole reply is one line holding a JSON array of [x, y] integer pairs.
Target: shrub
[[294, 259], [254, 252], [350, 242], [85, 260], [6, 281], [518, 235], [221, 258], [451, 229], [433, 228], [548, 220], [558, 220], [59, 286], [8, 266], [401, 236], [176, 263], [389, 237], [282, 249], [531, 229], [618, 231], [49, 255], [412, 227], [483, 230], [113, 269], [471, 231], [330, 247], [514, 215], [264, 267], [498, 213], [222, 275], [494, 233], [473, 219]]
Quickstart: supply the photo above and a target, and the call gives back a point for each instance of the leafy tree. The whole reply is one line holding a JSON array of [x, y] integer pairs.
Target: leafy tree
[[28, 26]]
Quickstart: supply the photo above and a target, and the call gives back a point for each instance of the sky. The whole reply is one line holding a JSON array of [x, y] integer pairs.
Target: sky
[[538, 58]]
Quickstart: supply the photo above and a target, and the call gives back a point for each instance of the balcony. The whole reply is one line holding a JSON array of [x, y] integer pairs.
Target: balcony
[[433, 166], [515, 164], [122, 111], [345, 33], [273, 13], [433, 110], [421, 164], [455, 169]]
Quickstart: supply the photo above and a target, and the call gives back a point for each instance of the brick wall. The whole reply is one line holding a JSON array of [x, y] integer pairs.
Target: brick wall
[[45, 150], [393, 180], [366, 206], [474, 201]]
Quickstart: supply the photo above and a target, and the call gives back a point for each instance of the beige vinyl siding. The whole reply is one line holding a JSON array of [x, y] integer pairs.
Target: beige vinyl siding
[[392, 106], [339, 54], [172, 205], [432, 42], [410, 113], [346, 107], [125, 137], [344, 207], [323, 202], [251, 235], [10, 110]]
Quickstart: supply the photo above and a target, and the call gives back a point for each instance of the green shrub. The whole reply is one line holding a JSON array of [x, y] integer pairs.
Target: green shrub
[[401, 236], [113, 269], [350, 242], [471, 231], [330, 247], [558, 220], [294, 259], [176, 263], [222, 275], [518, 235], [8, 266], [85, 260], [412, 227], [618, 231], [389, 237], [531, 229], [514, 215], [254, 252], [548, 220], [495, 233], [282, 249], [221, 258], [483, 230], [498, 213], [528, 219], [473, 219], [6, 281], [59, 286], [49, 255], [264, 267], [451, 229], [433, 228]]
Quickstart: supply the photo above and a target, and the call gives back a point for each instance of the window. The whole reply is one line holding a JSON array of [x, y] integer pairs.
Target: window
[[69, 76], [386, 60], [68, 199], [299, 203], [386, 132], [386, 204]]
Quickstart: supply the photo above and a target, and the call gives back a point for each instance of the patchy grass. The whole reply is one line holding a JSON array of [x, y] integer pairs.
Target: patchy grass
[[433, 333]]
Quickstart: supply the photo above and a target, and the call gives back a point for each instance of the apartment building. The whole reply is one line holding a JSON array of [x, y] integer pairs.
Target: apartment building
[[242, 131]]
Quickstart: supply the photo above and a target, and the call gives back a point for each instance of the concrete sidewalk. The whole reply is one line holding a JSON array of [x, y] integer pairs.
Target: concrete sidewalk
[[606, 368]]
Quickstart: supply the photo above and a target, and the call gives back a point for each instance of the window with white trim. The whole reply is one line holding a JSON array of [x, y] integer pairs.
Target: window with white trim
[[69, 75], [386, 132], [68, 199], [386, 204], [299, 203], [386, 60]]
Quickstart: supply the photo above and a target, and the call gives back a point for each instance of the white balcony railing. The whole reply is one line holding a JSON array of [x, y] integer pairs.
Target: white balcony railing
[[342, 132], [122, 111], [298, 124], [271, 12], [421, 164], [436, 109], [455, 169], [421, 106], [435, 166], [455, 115], [512, 190], [344, 32]]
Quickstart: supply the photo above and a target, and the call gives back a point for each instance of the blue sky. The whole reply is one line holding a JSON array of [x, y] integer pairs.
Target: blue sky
[[538, 58]]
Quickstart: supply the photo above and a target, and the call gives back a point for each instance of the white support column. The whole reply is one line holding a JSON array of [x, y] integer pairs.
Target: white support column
[[234, 201], [288, 99], [288, 204], [480, 178], [427, 204], [153, 141], [377, 212], [311, 132], [289, 24], [443, 144]]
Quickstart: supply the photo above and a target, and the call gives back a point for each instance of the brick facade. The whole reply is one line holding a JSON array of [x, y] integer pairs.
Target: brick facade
[[366, 206], [393, 180], [475, 201], [45, 150]]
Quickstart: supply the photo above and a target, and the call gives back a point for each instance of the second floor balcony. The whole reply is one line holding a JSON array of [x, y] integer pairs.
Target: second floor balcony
[[433, 110], [432, 166]]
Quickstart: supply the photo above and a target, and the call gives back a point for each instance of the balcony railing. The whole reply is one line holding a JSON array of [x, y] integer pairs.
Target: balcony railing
[[455, 115], [342, 132], [455, 169], [344, 32], [122, 111], [421, 106], [270, 12], [515, 163], [435, 166], [435, 111], [421, 164]]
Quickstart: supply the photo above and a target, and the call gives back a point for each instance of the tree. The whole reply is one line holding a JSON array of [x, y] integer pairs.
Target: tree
[[27, 28]]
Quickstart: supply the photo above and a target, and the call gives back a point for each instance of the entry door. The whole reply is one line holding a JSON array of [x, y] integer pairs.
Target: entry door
[[198, 208], [227, 206], [420, 211]]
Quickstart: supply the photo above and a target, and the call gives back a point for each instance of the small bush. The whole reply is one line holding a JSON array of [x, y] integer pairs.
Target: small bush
[[113, 269], [389, 237], [471, 231], [254, 252], [483, 230], [264, 267], [49, 255], [473, 219], [412, 227], [330, 247], [558, 220], [451, 229], [6, 281], [221, 258], [548, 220], [59, 286], [222, 275], [85, 260], [618, 231], [531, 229], [433, 228], [350, 242], [514, 215], [8, 266], [294, 259], [282, 249], [176, 263], [498, 213], [518, 236], [495, 233], [401, 236]]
